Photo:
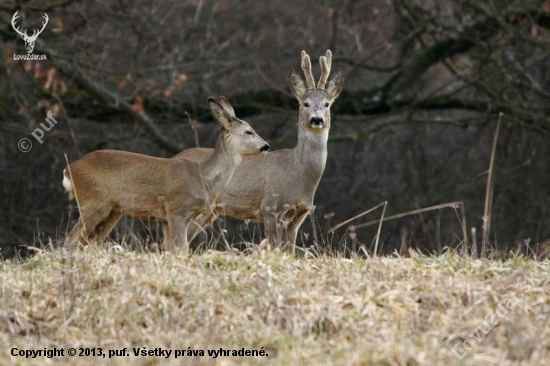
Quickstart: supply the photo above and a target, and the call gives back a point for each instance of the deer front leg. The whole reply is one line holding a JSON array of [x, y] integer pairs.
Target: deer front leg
[[291, 219], [166, 235], [277, 222], [197, 225], [177, 238], [291, 232], [272, 234]]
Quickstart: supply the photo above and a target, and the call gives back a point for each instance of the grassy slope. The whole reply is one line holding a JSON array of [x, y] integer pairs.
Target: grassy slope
[[320, 311]]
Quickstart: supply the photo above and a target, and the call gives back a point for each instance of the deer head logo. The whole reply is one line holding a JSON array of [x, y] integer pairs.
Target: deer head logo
[[29, 40]]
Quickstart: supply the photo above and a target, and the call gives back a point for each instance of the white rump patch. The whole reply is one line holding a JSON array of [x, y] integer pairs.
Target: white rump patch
[[67, 182]]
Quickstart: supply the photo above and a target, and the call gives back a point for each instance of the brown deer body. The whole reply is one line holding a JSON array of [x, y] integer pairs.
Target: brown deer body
[[278, 188], [108, 184]]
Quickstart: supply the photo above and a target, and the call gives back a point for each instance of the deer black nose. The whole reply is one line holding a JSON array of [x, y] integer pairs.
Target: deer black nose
[[316, 121], [265, 147]]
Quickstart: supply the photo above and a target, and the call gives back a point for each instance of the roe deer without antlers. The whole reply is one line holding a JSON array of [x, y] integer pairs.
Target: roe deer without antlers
[[278, 188], [108, 184]]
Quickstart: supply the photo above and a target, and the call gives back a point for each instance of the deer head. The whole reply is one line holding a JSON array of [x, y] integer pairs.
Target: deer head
[[314, 101], [29, 40], [240, 137]]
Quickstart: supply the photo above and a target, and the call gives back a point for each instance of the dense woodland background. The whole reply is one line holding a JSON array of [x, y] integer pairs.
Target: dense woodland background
[[425, 82]]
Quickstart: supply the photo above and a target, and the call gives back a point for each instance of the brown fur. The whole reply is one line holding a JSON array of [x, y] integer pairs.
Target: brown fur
[[108, 184]]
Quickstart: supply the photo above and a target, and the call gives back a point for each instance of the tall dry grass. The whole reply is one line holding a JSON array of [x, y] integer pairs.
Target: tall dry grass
[[309, 311]]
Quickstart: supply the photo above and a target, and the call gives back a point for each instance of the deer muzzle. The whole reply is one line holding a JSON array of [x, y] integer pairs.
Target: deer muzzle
[[316, 122]]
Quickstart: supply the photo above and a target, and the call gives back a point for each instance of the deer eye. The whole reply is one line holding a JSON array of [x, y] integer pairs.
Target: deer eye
[[326, 105], [306, 105], [249, 133]]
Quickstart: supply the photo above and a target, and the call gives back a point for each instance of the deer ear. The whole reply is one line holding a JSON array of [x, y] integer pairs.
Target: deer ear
[[226, 105], [296, 84], [335, 84], [220, 114]]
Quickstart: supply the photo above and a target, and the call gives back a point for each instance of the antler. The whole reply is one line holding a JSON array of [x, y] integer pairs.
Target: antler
[[15, 16], [325, 62], [306, 66], [43, 26], [24, 34]]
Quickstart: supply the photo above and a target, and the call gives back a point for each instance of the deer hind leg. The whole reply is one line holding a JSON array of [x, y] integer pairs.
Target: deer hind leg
[[87, 225], [78, 233], [104, 228]]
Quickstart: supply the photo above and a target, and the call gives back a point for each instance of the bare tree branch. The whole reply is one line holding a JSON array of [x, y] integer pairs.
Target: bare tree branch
[[100, 92]]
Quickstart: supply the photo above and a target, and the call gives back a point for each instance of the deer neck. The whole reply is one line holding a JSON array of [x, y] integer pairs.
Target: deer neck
[[311, 149], [218, 169]]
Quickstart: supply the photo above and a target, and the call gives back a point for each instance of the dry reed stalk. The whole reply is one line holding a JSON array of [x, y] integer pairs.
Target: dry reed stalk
[[336, 227], [464, 231], [413, 212], [194, 128], [380, 228], [474, 244], [488, 209]]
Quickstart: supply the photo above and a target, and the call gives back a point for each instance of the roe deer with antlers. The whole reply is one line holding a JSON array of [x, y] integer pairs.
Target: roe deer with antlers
[[278, 188], [108, 184], [29, 40]]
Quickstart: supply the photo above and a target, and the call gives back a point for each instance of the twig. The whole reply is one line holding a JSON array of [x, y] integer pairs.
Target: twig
[[380, 228], [474, 243], [438, 232], [64, 111], [464, 231], [382, 219], [488, 210], [451, 204], [356, 217], [194, 128], [312, 218], [99, 91]]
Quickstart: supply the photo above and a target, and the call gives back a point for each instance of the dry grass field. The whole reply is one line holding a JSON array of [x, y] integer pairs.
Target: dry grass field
[[293, 311]]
